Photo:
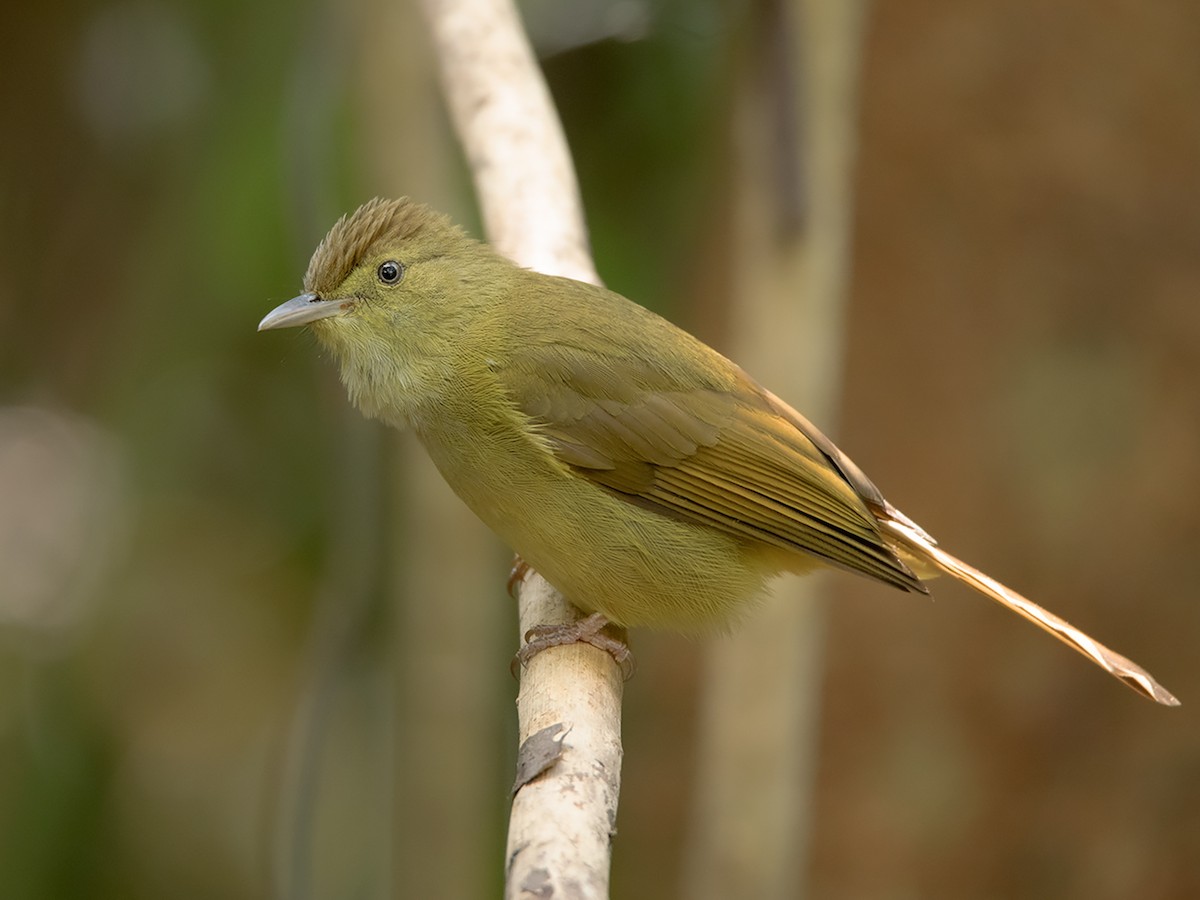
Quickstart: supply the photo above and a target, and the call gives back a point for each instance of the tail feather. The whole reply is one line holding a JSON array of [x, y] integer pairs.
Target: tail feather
[[909, 539]]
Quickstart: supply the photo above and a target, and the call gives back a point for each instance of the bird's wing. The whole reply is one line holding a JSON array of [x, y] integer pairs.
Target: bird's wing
[[723, 456]]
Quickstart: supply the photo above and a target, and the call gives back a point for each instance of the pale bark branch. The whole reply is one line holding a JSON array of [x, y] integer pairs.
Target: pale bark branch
[[562, 821], [513, 139]]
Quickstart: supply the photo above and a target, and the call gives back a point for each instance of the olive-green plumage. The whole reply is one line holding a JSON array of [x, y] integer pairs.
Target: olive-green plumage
[[643, 474]]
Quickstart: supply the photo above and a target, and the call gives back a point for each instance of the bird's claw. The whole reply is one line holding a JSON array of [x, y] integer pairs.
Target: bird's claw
[[594, 629], [517, 574]]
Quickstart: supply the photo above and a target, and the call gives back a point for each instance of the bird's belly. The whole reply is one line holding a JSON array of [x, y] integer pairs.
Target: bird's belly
[[606, 555], [636, 567], [642, 569]]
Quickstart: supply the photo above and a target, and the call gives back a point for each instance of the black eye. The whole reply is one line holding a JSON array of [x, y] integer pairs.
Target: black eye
[[390, 272]]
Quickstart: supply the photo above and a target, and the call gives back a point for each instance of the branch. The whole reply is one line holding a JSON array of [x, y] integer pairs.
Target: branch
[[568, 708], [510, 132]]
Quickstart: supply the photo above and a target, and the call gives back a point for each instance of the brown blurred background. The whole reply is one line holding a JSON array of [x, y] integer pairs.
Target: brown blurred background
[[207, 685]]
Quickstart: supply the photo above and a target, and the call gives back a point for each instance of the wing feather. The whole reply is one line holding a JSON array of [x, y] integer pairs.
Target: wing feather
[[723, 455]]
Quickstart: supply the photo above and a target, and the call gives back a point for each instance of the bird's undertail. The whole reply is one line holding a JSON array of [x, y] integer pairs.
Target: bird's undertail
[[910, 541]]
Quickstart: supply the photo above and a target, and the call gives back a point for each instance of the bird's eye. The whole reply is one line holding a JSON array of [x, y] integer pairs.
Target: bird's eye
[[390, 272]]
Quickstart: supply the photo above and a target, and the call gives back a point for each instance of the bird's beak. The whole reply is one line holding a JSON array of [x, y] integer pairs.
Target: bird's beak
[[300, 311]]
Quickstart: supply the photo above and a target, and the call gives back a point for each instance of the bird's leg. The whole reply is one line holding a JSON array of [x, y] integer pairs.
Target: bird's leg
[[594, 629]]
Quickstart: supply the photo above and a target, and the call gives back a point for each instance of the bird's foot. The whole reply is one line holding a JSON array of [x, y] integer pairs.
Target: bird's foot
[[594, 629]]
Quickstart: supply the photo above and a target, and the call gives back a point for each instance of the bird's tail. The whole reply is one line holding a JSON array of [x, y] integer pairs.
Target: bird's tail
[[911, 542]]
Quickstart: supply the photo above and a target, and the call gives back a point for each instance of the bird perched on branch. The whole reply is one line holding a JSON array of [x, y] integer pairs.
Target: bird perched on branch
[[643, 474]]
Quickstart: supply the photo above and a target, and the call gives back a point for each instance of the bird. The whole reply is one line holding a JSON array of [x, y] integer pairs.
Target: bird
[[643, 474]]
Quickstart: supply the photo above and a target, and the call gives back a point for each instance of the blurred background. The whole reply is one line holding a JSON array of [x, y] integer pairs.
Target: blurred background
[[224, 669]]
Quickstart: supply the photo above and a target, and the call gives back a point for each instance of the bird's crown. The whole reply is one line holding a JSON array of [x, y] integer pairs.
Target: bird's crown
[[354, 236]]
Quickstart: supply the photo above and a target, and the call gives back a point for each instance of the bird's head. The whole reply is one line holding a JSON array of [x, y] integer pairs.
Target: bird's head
[[387, 291]]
